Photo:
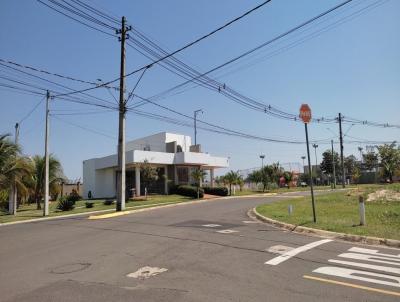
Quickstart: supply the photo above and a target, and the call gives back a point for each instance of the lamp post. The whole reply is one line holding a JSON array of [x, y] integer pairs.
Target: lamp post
[[303, 158], [262, 156], [361, 157], [315, 146]]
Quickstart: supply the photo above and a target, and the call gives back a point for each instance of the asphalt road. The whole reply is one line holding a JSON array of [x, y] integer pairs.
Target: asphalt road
[[78, 259]]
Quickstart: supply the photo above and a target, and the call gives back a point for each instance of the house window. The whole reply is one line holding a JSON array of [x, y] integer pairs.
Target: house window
[[183, 174], [178, 148]]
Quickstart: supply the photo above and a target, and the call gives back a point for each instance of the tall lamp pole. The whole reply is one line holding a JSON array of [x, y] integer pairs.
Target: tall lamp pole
[[195, 113], [262, 156]]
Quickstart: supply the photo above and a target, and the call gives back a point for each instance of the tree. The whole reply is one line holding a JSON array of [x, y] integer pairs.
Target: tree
[[356, 175], [198, 175], [148, 173], [13, 167], [37, 179], [350, 164], [327, 163], [255, 177], [370, 160], [232, 179], [288, 177], [390, 159]]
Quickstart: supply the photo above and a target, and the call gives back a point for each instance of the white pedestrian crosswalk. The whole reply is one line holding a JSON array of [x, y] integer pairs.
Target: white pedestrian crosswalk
[[365, 265]]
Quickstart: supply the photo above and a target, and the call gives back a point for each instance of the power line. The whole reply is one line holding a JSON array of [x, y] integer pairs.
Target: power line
[[183, 47], [31, 111]]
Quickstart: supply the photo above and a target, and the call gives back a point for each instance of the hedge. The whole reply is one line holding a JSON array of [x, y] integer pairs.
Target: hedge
[[186, 190], [220, 191]]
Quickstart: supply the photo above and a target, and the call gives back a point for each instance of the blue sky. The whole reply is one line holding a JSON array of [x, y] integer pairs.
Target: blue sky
[[353, 68]]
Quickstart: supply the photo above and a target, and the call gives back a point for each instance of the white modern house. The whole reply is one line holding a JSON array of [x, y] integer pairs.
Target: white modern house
[[173, 155]]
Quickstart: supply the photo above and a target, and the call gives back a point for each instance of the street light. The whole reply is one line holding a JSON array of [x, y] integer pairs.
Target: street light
[[361, 157], [315, 146], [303, 158], [262, 156], [195, 113]]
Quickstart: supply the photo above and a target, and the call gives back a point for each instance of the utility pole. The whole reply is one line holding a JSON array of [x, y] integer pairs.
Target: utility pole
[[333, 165], [12, 205], [121, 126], [195, 113], [341, 151], [315, 146], [262, 156], [46, 155]]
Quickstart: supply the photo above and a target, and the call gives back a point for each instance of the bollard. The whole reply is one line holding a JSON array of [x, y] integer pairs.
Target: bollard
[[290, 209], [361, 207]]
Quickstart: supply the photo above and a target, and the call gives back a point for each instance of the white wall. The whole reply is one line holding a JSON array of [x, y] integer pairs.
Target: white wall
[[89, 179], [184, 141], [105, 183], [156, 143]]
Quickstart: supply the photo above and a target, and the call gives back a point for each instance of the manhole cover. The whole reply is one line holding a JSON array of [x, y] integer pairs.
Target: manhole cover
[[70, 268], [146, 272]]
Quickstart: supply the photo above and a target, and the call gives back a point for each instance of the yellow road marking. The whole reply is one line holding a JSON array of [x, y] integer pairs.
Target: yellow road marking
[[382, 291], [104, 216]]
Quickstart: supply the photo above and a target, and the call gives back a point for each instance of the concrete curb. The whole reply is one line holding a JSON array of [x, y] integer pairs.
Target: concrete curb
[[133, 209], [327, 234]]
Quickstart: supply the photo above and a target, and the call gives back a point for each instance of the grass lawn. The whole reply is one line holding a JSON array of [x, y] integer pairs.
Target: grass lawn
[[338, 212], [29, 211], [279, 190]]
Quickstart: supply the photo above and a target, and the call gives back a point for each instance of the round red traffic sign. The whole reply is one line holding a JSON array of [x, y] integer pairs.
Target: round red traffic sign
[[305, 113]]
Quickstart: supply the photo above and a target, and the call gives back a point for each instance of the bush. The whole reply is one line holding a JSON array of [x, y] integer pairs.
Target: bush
[[220, 191], [89, 204], [4, 205], [108, 202], [74, 196], [65, 205], [186, 190]]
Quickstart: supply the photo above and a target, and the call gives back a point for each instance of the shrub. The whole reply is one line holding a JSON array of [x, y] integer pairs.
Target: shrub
[[186, 190], [108, 202], [89, 204], [65, 205], [4, 205], [74, 196], [220, 191]]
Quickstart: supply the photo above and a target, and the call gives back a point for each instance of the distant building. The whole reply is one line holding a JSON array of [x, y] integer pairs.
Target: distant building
[[173, 155]]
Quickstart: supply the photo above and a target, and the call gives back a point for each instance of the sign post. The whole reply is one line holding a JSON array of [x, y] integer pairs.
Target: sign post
[[305, 115]]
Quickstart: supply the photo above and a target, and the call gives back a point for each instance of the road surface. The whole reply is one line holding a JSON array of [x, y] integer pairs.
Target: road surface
[[209, 251]]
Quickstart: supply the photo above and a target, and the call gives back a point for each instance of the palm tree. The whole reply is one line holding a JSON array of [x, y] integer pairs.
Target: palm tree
[[38, 177], [198, 175], [232, 178], [13, 168]]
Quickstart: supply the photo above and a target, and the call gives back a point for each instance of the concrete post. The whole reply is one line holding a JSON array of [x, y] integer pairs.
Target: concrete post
[[361, 208], [137, 180], [212, 177]]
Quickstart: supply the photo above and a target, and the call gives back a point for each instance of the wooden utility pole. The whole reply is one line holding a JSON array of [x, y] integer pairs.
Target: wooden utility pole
[[46, 155], [121, 128], [341, 151]]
